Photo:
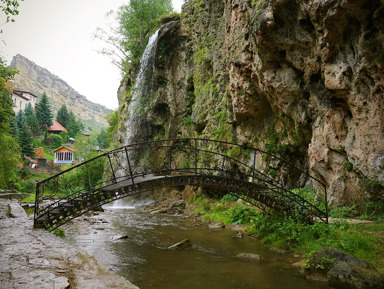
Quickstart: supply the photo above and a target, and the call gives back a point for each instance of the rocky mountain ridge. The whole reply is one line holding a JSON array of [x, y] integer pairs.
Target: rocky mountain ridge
[[33, 78], [299, 79]]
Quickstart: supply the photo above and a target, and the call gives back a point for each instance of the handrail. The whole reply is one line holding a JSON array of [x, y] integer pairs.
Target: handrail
[[177, 156]]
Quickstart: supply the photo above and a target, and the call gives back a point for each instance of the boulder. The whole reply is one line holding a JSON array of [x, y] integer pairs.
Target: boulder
[[343, 271], [119, 237], [249, 257], [351, 276]]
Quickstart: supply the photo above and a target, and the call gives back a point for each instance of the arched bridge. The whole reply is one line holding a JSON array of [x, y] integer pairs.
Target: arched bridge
[[257, 177]]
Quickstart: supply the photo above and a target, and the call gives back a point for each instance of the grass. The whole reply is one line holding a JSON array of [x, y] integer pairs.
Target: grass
[[294, 234]]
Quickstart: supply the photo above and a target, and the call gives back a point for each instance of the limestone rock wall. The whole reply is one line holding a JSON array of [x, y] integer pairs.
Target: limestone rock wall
[[301, 79]]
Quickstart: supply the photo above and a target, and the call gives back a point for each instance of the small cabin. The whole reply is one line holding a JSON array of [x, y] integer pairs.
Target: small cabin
[[56, 128], [63, 155]]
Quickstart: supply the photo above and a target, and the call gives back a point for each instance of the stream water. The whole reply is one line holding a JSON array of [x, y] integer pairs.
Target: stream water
[[210, 261]]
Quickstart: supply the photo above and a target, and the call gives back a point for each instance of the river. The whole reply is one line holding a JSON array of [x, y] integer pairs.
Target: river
[[210, 262]]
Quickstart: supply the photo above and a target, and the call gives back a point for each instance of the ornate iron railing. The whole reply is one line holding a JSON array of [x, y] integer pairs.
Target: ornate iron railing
[[260, 178]]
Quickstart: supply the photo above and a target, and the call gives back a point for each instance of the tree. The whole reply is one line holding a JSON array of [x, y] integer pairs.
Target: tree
[[102, 139], [33, 124], [29, 110], [137, 19], [20, 119], [74, 126], [25, 140], [126, 43], [43, 112], [9, 148], [113, 121], [31, 120], [10, 7], [63, 116]]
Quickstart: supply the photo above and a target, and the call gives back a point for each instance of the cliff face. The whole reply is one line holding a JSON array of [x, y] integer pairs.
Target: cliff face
[[300, 79], [38, 80]]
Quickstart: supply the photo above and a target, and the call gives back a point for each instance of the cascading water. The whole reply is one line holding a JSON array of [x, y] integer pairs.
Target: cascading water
[[137, 130], [141, 92]]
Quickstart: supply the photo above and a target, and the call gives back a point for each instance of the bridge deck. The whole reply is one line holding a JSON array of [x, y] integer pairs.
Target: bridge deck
[[129, 182]]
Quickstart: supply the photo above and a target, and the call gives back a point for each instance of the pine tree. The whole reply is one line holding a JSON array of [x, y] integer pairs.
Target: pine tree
[[20, 119], [25, 141], [43, 112], [32, 120], [29, 110], [74, 126], [63, 116]]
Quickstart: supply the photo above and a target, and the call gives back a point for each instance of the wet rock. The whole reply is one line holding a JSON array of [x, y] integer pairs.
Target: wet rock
[[182, 244], [342, 270], [249, 257], [178, 204], [216, 226], [119, 237], [344, 275], [35, 258]]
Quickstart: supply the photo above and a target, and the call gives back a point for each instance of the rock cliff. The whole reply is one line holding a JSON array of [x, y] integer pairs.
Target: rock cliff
[[300, 79], [38, 80]]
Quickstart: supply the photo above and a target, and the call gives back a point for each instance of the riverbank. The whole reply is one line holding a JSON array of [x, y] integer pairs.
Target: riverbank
[[35, 258]]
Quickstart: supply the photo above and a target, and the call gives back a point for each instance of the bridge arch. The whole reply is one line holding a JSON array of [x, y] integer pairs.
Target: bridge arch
[[248, 172]]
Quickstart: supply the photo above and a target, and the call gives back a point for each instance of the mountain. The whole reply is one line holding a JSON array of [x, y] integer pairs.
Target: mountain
[[36, 79]]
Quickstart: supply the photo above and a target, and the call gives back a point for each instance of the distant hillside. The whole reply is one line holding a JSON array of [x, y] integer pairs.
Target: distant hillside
[[37, 80]]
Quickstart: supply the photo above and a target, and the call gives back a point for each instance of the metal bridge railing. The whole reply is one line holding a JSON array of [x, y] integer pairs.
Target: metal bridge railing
[[282, 180]]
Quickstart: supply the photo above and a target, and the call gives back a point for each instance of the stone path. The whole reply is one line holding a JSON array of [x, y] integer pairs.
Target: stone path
[[34, 258]]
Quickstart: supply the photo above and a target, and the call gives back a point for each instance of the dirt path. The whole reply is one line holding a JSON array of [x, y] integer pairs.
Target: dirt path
[[34, 258]]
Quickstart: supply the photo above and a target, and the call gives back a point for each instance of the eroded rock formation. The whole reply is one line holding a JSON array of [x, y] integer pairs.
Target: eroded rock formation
[[301, 79]]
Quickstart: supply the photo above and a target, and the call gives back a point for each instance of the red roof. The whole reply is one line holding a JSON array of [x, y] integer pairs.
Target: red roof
[[56, 126]]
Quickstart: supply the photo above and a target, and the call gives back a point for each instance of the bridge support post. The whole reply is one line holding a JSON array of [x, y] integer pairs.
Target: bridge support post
[[129, 165], [113, 172], [254, 165], [195, 156]]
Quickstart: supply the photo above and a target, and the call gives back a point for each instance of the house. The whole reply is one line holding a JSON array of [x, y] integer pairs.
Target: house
[[63, 155], [21, 98], [56, 128]]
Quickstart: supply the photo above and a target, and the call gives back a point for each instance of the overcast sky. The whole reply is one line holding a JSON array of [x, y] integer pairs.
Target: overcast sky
[[58, 35]]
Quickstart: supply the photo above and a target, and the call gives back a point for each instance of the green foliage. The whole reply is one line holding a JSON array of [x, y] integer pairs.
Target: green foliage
[[242, 215], [113, 121], [59, 233], [102, 139], [20, 119], [25, 186], [10, 7], [63, 116], [74, 126], [294, 233], [44, 112], [54, 141], [33, 124], [136, 21], [9, 158], [25, 141]]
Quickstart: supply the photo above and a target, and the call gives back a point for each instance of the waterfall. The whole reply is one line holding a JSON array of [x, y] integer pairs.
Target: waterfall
[[141, 93]]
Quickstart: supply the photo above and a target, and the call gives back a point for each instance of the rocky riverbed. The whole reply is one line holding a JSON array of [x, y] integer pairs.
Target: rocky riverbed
[[35, 258]]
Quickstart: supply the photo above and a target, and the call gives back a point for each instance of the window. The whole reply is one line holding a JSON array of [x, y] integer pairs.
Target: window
[[20, 103]]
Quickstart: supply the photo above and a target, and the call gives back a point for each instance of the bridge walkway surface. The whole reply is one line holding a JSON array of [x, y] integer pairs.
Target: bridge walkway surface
[[251, 174]]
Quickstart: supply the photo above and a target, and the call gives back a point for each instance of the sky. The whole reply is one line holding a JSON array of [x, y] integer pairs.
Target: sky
[[58, 35]]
